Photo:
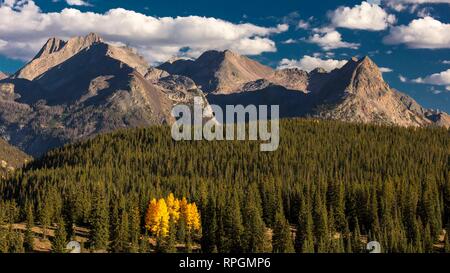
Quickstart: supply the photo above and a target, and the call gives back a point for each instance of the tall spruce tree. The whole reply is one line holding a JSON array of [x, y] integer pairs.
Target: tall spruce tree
[[29, 236], [100, 224], [59, 241], [254, 228], [282, 238]]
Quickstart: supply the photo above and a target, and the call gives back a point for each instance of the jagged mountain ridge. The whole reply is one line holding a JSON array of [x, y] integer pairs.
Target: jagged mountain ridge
[[356, 92], [73, 90]]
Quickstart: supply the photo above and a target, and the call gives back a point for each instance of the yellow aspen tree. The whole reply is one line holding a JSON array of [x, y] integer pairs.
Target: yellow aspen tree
[[163, 217], [173, 206], [193, 219], [183, 204], [151, 217], [157, 218]]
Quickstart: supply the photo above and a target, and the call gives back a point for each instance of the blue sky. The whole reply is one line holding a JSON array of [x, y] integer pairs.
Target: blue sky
[[418, 43]]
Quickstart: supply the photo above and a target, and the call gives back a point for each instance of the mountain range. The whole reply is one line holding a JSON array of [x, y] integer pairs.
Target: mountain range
[[72, 90]]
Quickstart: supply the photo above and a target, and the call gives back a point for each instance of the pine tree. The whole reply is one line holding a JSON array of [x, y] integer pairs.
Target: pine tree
[[304, 240], [134, 230], [356, 238], [29, 236], [100, 225], [282, 239], [233, 226], [59, 242], [210, 228], [120, 241], [171, 239], [14, 242], [45, 217], [254, 228], [320, 224], [181, 230]]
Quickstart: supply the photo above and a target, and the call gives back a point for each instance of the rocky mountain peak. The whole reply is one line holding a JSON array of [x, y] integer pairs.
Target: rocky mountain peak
[[367, 78], [84, 41], [54, 52], [219, 71], [216, 56], [51, 46]]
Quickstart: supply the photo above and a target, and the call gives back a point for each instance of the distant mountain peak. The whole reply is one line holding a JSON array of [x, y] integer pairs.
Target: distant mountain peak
[[220, 71], [51, 46], [367, 75], [56, 51]]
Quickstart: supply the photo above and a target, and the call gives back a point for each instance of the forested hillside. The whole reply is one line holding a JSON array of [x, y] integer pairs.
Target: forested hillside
[[11, 158], [330, 187]]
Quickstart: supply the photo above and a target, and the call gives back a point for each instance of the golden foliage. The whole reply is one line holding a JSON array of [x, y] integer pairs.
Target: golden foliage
[[157, 217], [160, 212]]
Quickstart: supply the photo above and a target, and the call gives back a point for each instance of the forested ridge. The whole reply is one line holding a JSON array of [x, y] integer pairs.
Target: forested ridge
[[330, 187]]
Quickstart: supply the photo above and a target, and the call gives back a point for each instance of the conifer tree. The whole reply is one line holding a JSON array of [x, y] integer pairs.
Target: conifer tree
[[304, 240], [282, 239], [59, 241], [134, 229], [210, 228], [100, 225], [120, 241], [254, 228], [171, 239], [29, 237], [233, 226]]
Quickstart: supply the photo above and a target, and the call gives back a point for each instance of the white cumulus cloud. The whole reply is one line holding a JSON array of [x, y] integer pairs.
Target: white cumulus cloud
[[385, 69], [442, 78], [24, 28], [402, 78], [401, 5], [331, 40], [367, 16], [309, 63], [421, 33], [77, 3], [418, 1]]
